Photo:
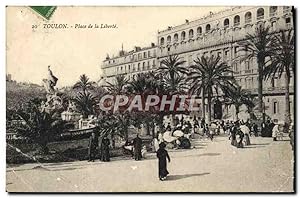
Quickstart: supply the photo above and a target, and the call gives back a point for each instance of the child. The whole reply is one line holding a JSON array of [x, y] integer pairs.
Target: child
[[162, 156]]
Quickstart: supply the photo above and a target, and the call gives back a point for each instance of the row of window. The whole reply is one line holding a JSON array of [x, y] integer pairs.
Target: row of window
[[260, 13], [140, 67], [139, 56]]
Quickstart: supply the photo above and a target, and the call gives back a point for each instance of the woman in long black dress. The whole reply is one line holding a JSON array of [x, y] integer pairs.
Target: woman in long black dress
[[104, 155], [162, 156]]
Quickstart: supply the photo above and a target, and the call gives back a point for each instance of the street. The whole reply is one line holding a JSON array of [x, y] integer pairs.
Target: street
[[264, 166]]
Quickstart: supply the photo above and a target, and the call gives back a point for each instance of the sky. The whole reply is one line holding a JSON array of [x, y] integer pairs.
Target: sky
[[73, 52]]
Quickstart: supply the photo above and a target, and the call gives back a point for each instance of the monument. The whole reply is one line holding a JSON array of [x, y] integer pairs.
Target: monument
[[53, 101]]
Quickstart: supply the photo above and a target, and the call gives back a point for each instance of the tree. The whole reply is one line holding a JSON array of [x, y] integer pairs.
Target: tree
[[259, 46], [118, 86], [172, 70], [39, 126], [283, 64], [208, 74], [237, 96], [144, 84], [84, 84], [196, 82], [85, 103]]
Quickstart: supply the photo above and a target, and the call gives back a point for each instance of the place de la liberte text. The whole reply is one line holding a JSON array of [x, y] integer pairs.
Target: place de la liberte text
[[78, 26]]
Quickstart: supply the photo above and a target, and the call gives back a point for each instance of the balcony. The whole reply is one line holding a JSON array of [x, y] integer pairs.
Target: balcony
[[272, 14], [286, 10], [199, 34], [260, 17], [248, 71], [236, 24], [248, 21]]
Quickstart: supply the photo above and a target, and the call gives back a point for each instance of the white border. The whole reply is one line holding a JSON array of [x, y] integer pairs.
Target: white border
[[3, 3]]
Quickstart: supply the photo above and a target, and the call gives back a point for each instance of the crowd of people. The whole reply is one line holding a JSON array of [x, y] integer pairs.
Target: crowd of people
[[239, 133]]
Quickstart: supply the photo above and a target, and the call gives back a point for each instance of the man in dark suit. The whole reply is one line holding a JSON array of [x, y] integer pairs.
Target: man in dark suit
[[93, 144], [137, 144]]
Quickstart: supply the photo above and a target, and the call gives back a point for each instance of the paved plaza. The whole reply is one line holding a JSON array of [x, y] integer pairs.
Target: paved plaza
[[264, 166]]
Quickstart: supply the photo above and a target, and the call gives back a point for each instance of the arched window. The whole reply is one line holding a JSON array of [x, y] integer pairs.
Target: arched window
[[226, 23], [207, 28], [273, 11], [199, 30], [176, 37], [237, 20], [169, 39], [260, 14], [162, 41], [139, 67], [183, 35], [143, 65], [191, 33], [248, 17]]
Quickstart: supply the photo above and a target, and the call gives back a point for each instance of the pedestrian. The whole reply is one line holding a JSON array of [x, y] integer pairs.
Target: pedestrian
[[233, 134], [255, 129], [104, 150], [162, 156], [211, 133], [93, 144], [137, 145], [244, 128], [241, 138], [155, 144], [202, 123], [169, 128], [275, 131], [160, 137]]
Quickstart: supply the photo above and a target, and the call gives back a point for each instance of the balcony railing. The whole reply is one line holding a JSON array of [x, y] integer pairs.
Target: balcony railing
[[248, 71], [260, 17], [247, 21], [236, 24], [286, 10], [273, 14]]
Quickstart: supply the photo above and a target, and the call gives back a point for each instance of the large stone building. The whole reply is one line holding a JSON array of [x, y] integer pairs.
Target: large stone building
[[217, 34], [130, 63]]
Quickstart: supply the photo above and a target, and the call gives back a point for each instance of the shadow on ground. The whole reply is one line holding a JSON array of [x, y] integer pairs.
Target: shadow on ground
[[177, 177]]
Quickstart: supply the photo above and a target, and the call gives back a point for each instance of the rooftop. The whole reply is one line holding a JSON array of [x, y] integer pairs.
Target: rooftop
[[204, 18], [123, 53]]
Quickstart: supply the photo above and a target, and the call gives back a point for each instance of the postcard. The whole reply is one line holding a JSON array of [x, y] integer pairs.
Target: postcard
[[142, 99]]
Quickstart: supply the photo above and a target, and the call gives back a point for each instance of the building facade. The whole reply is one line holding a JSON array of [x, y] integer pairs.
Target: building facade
[[218, 34], [130, 63]]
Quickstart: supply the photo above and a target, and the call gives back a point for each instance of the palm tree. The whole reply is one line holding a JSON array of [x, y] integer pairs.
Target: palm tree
[[39, 126], [237, 96], [172, 70], [259, 46], [118, 86], [84, 84], [145, 84], [85, 103], [283, 64], [207, 74], [195, 80]]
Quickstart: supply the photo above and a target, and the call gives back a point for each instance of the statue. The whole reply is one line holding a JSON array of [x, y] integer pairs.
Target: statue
[[50, 82], [53, 100]]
